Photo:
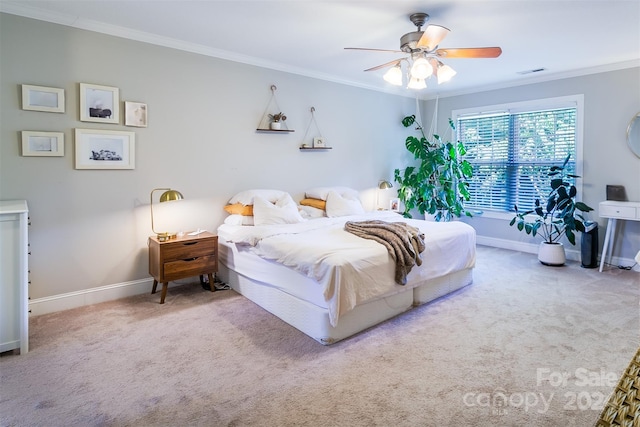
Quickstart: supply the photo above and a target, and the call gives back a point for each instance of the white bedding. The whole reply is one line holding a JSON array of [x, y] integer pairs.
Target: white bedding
[[350, 269]]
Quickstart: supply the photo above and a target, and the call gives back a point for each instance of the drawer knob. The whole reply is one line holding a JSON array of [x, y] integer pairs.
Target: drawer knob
[[190, 243]]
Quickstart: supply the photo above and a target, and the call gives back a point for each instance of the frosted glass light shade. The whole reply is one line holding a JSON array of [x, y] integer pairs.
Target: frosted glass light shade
[[394, 76], [415, 83], [421, 69], [445, 73]]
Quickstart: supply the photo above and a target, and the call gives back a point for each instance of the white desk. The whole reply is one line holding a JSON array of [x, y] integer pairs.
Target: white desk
[[614, 211]]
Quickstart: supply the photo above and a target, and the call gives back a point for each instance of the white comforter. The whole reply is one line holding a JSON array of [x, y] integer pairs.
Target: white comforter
[[351, 269]]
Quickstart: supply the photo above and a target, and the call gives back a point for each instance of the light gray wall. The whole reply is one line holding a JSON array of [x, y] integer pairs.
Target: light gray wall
[[89, 227], [611, 99]]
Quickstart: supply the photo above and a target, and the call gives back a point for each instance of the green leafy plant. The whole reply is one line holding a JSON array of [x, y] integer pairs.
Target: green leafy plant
[[438, 185], [558, 217], [277, 117]]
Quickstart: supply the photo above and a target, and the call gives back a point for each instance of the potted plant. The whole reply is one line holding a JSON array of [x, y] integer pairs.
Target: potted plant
[[276, 119], [438, 185], [560, 216]]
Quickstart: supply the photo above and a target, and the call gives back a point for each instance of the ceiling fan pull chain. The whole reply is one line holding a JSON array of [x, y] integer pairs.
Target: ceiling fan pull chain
[[433, 129]]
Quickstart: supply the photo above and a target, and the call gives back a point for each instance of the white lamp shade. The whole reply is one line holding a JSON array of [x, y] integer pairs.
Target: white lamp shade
[[415, 83], [445, 73], [394, 76], [421, 69]]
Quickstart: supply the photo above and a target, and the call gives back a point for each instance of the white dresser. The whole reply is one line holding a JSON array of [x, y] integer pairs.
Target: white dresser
[[614, 211], [14, 276]]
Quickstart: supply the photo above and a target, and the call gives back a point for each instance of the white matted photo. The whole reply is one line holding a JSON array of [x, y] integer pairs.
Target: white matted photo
[[135, 114], [319, 142], [394, 205], [42, 98], [99, 104], [36, 143], [105, 149]]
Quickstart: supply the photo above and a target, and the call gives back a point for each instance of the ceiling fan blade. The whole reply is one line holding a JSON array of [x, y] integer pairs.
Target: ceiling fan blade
[[432, 37], [386, 64], [470, 52], [375, 50]]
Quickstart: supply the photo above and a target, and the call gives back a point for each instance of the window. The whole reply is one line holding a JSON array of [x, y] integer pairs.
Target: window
[[512, 147]]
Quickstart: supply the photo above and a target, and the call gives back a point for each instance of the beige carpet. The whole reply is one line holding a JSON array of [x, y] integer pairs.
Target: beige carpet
[[525, 345]]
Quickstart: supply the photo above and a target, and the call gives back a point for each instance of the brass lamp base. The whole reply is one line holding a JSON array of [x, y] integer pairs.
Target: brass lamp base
[[163, 237]]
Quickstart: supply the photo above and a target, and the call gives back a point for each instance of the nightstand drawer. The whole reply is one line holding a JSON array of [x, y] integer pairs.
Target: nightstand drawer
[[617, 211], [195, 266], [190, 249]]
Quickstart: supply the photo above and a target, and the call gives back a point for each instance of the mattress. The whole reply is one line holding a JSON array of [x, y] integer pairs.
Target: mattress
[[289, 296], [321, 266]]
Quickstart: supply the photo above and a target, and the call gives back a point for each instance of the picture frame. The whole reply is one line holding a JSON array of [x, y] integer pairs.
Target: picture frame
[[394, 205], [100, 104], [104, 149], [319, 142], [45, 144], [42, 98], [135, 114]]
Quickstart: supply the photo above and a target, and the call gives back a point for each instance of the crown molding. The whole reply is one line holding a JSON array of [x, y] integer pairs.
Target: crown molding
[[16, 8]]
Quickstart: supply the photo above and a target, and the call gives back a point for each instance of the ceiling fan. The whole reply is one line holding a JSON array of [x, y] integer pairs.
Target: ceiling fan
[[424, 58]]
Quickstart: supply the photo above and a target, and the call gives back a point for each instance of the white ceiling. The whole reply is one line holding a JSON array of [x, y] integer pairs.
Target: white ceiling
[[308, 37]]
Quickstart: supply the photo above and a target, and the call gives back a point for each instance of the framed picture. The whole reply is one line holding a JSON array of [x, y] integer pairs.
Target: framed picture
[[135, 114], [394, 205], [105, 149], [41, 98], [319, 142], [99, 104], [42, 143]]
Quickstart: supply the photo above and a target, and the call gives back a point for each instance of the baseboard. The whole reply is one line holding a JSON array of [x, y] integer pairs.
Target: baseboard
[[572, 254], [126, 289], [90, 296]]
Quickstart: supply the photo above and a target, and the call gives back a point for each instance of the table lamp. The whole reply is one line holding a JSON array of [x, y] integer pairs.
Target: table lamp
[[168, 196], [382, 185]]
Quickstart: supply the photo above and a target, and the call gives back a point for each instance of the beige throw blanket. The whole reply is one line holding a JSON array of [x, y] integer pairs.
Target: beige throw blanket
[[404, 242]]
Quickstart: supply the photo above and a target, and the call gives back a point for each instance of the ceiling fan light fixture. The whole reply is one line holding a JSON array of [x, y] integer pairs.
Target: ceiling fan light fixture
[[423, 55], [394, 75], [421, 69], [445, 73], [416, 83]]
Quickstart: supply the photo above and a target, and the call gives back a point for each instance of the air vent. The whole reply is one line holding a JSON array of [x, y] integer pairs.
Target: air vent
[[536, 70]]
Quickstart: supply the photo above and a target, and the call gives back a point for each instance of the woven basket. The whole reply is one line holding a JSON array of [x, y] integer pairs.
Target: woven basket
[[623, 406]]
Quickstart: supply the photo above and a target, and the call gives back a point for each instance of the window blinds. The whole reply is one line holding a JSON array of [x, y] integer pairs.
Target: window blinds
[[511, 154]]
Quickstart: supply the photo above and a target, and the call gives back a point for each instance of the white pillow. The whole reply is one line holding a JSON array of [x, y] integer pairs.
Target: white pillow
[[284, 211], [338, 205], [322, 192], [310, 212], [236, 219], [246, 197]]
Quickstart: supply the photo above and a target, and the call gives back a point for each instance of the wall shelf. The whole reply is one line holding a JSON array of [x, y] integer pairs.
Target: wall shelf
[[318, 142], [315, 148], [274, 130], [264, 125]]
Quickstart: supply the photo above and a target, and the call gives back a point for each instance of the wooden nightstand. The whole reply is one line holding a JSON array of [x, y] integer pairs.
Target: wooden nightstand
[[182, 257]]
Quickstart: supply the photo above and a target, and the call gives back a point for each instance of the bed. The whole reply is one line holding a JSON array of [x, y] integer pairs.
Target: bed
[[329, 283]]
